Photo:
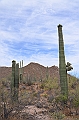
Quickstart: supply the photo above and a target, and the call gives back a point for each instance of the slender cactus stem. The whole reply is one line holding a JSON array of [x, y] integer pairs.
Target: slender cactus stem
[[62, 65]]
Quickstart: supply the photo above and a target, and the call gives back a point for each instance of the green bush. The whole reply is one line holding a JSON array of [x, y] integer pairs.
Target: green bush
[[61, 98], [49, 84], [76, 102]]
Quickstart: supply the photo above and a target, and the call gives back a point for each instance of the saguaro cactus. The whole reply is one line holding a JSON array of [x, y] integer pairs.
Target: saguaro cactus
[[15, 80], [62, 65], [21, 71], [47, 73], [17, 76]]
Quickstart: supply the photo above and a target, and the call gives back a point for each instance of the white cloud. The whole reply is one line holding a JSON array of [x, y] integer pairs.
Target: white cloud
[[35, 22]]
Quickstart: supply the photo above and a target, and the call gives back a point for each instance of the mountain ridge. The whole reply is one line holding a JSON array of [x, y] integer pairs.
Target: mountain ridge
[[32, 69]]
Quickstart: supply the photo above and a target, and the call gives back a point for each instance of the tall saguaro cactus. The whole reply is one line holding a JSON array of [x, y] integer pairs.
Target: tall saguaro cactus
[[13, 77], [17, 76], [62, 65], [15, 80]]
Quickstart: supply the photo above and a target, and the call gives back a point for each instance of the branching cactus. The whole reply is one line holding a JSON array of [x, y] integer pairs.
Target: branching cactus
[[62, 65]]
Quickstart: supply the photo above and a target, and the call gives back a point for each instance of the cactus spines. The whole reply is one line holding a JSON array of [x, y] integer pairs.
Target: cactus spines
[[62, 65]]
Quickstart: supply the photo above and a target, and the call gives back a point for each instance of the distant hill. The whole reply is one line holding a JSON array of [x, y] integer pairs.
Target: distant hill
[[33, 70], [5, 72], [38, 71]]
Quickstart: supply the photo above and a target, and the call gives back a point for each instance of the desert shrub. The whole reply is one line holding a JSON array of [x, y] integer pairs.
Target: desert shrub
[[44, 95], [58, 115], [42, 85], [50, 98], [71, 80], [49, 84], [27, 80], [35, 94], [52, 84], [61, 98], [76, 102]]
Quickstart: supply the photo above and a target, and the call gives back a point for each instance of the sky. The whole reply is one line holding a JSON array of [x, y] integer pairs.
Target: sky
[[28, 32]]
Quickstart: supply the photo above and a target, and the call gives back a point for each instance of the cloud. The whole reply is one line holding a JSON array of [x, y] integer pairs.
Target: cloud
[[28, 31]]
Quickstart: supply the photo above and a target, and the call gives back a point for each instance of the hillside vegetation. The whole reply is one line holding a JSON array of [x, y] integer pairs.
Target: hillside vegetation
[[39, 95]]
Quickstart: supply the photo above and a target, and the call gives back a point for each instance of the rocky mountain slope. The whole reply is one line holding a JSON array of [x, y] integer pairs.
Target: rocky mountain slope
[[33, 70], [40, 100]]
